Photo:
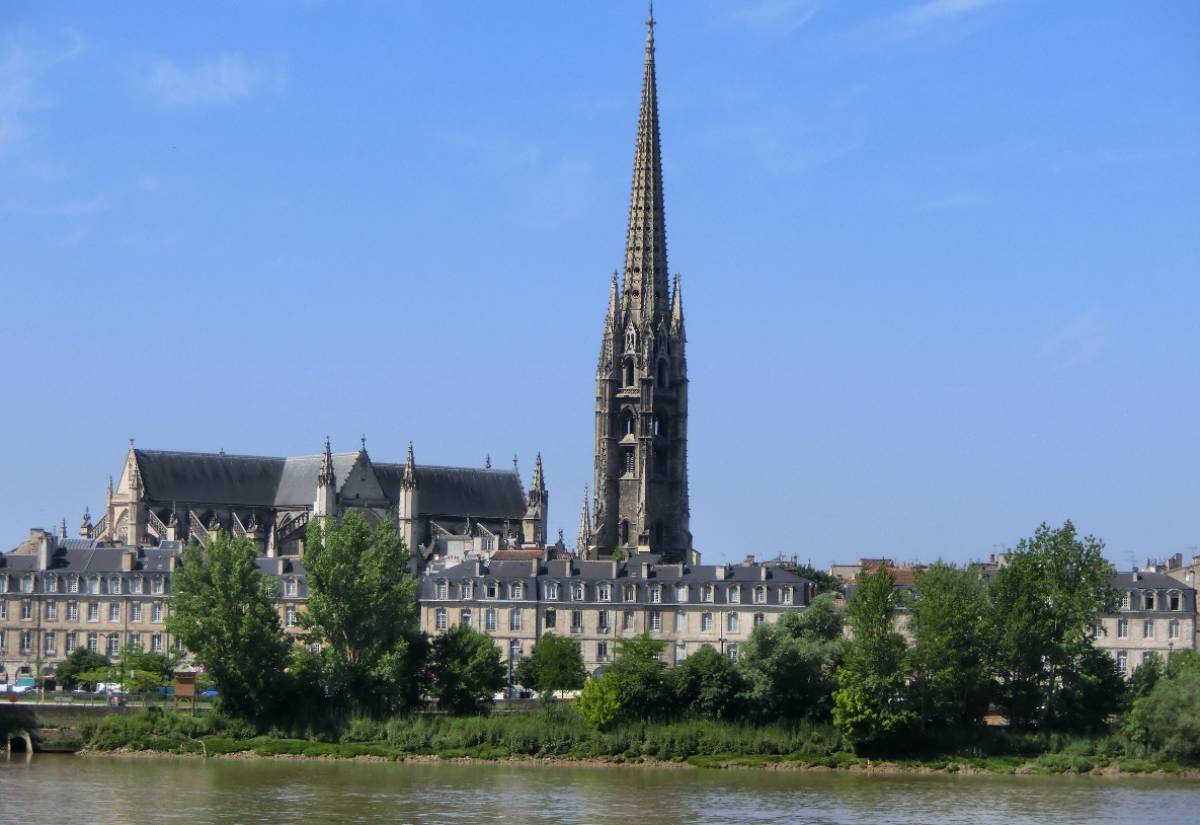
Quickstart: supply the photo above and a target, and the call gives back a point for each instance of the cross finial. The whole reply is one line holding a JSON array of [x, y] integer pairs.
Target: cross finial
[[363, 440]]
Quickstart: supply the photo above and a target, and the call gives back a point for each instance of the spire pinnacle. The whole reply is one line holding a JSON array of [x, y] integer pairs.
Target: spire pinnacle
[[487, 461], [538, 482], [585, 525], [409, 479], [326, 477], [645, 280]]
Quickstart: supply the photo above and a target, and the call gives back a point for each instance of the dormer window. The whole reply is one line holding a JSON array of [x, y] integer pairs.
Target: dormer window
[[443, 590], [94, 585], [290, 588], [517, 590], [1148, 599], [52, 584], [760, 595], [706, 594], [1125, 600], [156, 585], [27, 584], [552, 591], [466, 590], [603, 592], [491, 590], [735, 594], [577, 593], [114, 585], [1173, 601], [656, 594], [135, 585], [631, 593], [785, 595], [681, 593]]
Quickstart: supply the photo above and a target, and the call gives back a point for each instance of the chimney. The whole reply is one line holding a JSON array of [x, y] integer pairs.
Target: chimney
[[645, 570], [722, 571], [533, 566], [762, 572], [44, 552], [749, 560], [478, 567], [615, 565], [172, 562], [127, 558]]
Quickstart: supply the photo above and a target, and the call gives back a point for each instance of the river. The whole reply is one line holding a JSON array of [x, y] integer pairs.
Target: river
[[49, 788]]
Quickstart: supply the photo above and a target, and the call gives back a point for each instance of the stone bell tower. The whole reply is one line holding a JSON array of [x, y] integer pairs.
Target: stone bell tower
[[641, 492]]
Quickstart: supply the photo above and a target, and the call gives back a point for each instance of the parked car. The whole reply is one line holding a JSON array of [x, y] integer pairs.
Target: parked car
[[15, 690]]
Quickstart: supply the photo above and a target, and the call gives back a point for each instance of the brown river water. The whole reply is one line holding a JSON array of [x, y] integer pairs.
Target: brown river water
[[52, 788]]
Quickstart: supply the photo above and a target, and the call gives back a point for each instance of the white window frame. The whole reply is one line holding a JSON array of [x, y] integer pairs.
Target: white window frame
[[706, 622], [439, 618]]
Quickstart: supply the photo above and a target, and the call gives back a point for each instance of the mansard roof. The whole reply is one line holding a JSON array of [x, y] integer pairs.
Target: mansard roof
[[83, 557], [263, 481]]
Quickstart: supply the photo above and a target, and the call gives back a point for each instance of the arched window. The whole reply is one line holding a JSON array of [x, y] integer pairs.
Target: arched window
[[630, 462], [628, 423], [625, 531], [628, 382]]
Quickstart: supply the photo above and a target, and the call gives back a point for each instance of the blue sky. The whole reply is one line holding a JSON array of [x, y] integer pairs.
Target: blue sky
[[940, 257]]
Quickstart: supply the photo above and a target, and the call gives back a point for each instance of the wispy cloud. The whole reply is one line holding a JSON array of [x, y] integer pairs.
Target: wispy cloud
[[1077, 341], [948, 19], [771, 16], [215, 81], [22, 66]]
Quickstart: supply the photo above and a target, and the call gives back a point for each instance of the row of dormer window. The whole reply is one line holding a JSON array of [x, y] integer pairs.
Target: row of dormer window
[[1152, 600], [604, 592]]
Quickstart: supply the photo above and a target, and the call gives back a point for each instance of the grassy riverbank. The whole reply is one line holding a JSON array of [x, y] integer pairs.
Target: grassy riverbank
[[558, 735]]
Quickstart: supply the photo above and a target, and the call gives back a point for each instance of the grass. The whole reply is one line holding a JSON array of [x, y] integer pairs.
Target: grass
[[559, 733]]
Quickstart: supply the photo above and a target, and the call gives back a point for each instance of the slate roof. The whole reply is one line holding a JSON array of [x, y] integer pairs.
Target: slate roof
[[264, 481], [75, 556], [458, 491]]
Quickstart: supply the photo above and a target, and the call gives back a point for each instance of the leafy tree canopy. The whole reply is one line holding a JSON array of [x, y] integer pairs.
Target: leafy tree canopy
[[1044, 606], [789, 667], [871, 703], [709, 684], [362, 609], [467, 670], [223, 611], [951, 655], [77, 662], [555, 663]]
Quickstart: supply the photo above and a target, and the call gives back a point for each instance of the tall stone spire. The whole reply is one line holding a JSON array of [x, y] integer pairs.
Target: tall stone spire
[[326, 501], [533, 525], [641, 380], [645, 279]]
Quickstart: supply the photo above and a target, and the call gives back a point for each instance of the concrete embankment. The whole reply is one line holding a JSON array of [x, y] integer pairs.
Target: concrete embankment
[[50, 727]]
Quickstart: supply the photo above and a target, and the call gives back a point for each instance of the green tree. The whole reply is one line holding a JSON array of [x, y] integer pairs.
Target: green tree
[[362, 609], [870, 706], [1167, 718], [598, 702], [1145, 677], [80, 660], [144, 671], [708, 684], [223, 611], [951, 655], [638, 674], [790, 666], [1044, 606], [467, 670], [555, 663]]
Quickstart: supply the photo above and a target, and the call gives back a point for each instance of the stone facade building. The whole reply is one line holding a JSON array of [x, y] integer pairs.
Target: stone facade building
[[1157, 614], [641, 490], [517, 602], [58, 593], [440, 512]]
